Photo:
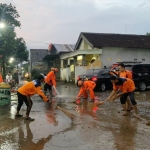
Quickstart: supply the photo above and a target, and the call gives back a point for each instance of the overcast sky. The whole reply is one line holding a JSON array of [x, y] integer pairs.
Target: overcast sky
[[61, 21]]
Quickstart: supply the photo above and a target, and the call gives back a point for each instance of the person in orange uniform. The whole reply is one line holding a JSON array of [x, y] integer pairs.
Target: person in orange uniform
[[86, 86], [1, 78], [50, 80], [27, 90], [123, 73], [127, 87]]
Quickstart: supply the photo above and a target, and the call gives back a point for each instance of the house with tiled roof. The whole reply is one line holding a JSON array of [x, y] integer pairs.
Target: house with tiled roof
[[95, 50], [54, 52]]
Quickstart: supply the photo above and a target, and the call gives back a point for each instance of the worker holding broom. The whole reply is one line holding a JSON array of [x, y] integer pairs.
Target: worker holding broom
[[127, 87], [27, 90], [50, 81], [86, 86]]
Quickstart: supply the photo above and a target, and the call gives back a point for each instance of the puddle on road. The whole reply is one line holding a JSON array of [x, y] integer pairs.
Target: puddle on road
[[93, 129], [18, 134]]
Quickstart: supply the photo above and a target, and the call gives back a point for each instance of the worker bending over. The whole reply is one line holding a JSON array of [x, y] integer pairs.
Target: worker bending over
[[85, 87]]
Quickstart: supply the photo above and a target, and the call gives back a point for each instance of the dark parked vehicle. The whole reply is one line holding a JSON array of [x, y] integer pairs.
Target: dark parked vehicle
[[140, 74], [100, 76], [126, 63]]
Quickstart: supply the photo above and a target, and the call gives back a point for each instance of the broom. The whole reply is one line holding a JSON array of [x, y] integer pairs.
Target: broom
[[102, 102], [69, 114]]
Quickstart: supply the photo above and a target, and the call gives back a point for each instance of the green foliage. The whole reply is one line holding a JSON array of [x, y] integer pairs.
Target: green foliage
[[148, 33], [35, 73], [25, 66], [10, 45], [9, 14], [21, 51], [7, 43]]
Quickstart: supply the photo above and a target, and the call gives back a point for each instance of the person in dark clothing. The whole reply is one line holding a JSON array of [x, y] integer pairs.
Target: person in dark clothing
[[16, 78], [105, 67], [26, 91]]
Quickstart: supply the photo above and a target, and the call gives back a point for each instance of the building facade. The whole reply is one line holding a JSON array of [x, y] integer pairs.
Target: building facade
[[36, 60]]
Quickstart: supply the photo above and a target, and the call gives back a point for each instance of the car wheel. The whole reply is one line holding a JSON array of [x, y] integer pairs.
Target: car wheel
[[103, 87], [142, 86]]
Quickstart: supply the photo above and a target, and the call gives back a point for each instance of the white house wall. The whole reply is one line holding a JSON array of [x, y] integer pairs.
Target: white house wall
[[113, 55], [81, 69], [63, 74], [78, 71], [84, 45]]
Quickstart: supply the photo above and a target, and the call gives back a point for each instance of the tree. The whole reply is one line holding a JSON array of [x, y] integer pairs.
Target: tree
[[148, 33], [9, 15], [21, 52], [9, 44]]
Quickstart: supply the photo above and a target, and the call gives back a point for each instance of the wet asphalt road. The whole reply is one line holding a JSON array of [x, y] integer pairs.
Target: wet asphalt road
[[102, 128]]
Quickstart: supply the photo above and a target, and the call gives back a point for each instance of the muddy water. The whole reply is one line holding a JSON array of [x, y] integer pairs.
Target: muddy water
[[94, 128]]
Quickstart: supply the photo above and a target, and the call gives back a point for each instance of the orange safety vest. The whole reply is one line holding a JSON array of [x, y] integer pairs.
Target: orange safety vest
[[51, 78], [1, 78], [87, 85], [125, 74], [32, 88], [125, 85]]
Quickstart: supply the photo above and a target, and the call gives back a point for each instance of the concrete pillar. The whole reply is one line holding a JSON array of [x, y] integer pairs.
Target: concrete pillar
[[62, 63], [74, 62], [83, 60], [68, 63]]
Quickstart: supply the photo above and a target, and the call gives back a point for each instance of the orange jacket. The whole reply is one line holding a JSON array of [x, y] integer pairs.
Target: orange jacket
[[32, 88], [87, 85], [125, 85], [51, 78], [125, 74], [1, 78]]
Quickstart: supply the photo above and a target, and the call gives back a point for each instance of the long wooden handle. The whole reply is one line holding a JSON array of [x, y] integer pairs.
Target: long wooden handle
[[69, 114]]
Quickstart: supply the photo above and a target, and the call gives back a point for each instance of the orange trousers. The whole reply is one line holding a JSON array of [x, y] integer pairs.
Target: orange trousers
[[1, 79], [85, 93]]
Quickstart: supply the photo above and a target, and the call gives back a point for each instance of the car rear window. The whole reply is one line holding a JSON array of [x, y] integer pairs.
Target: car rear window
[[92, 71], [142, 68], [128, 68]]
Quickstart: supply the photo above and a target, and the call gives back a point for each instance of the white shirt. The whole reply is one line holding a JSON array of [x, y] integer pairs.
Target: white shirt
[[8, 78]]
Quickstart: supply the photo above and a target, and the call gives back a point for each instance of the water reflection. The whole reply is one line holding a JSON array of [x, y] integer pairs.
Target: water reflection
[[124, 137], [15, 134], [25, 139], [87, 108]]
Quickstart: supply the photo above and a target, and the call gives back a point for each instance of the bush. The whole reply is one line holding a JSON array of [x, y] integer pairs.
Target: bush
[[35, 73]]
